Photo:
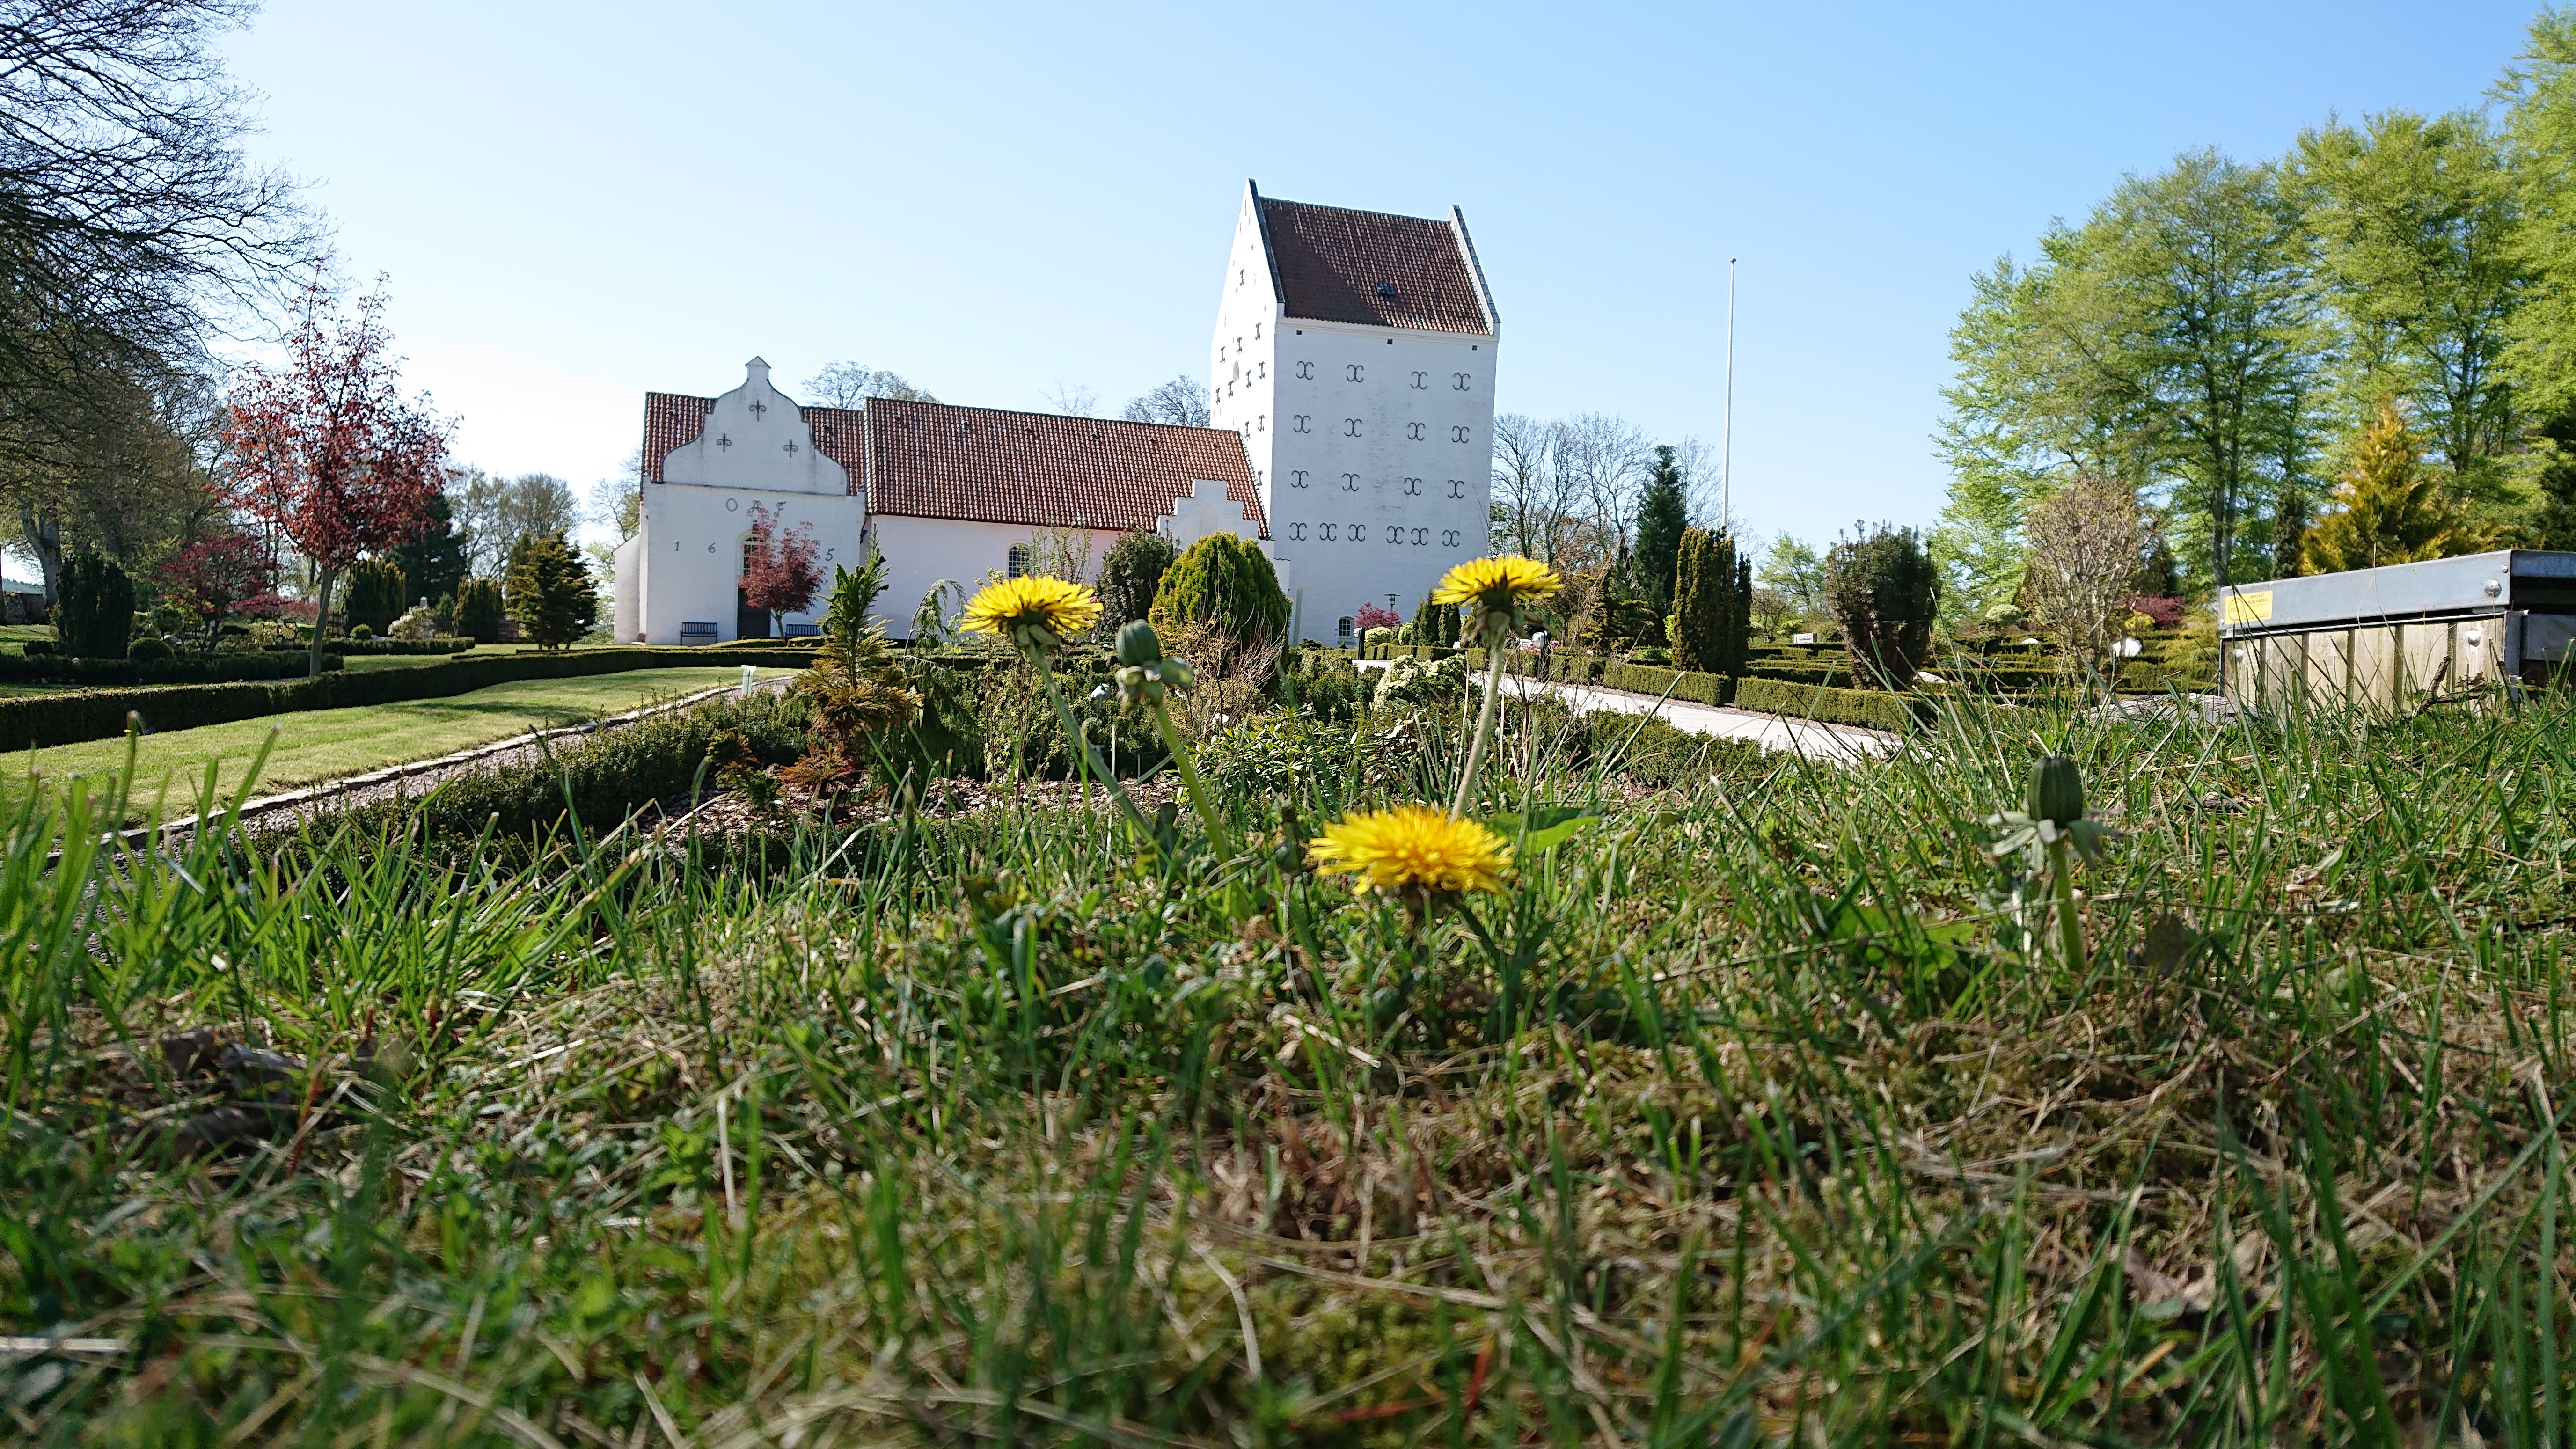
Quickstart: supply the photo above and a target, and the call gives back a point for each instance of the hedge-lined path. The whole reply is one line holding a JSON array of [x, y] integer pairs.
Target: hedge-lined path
[[1812, 738], [350, 756]]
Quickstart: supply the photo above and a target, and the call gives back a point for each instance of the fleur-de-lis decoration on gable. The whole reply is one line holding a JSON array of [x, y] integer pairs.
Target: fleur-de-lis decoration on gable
[[758, 408]]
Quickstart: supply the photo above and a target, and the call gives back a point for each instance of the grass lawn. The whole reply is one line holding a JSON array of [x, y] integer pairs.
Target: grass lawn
[[1774, 1107], [331, 744]]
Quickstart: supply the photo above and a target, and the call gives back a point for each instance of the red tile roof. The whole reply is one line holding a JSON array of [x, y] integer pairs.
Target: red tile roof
[[1037, 470], [1372, 268], [1043, 470]]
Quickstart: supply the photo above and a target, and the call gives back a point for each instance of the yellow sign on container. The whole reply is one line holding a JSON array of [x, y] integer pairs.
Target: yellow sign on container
[[2249, 606]]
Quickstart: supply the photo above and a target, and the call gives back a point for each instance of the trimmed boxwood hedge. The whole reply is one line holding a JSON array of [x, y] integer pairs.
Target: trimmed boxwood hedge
[[51, 668], [1690, 684], [445, 645], [1871, 708], [41, 721]]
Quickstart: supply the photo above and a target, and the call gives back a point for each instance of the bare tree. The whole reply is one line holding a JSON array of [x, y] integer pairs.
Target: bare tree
[[1073, 399], [2085, 542], [1182, 401], [849, 385], [496, 513], [1604, 460], [618, 503], [131, 216]]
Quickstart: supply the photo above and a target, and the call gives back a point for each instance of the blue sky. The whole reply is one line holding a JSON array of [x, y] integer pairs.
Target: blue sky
[[574, 203]]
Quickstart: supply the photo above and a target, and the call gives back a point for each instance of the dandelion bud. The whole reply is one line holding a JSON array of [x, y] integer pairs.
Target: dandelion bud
[[1137, 644], [2056, 791], [1177, 673]]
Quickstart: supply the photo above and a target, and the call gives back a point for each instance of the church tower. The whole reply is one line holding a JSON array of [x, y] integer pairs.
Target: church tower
[[1354, 353]]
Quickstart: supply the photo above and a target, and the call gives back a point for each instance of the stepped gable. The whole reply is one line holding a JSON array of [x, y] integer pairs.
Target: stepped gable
[[673, 420]]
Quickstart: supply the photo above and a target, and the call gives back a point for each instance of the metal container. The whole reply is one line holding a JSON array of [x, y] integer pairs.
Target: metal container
[[2396, 636]]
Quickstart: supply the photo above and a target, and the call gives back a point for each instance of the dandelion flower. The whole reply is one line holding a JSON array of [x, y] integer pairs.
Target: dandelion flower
[[1500, 588], [1032, 612], [1413, 851]]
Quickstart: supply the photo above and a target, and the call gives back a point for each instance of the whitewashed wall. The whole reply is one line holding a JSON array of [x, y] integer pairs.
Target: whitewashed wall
[[1387, 481]]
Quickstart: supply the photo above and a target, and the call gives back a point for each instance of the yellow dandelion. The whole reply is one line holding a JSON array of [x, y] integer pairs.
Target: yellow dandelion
[[1413, 850], [1497, 584], [1032, 611]]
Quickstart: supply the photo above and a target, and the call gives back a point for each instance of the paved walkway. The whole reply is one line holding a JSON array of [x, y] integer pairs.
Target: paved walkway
[[1808, 737]]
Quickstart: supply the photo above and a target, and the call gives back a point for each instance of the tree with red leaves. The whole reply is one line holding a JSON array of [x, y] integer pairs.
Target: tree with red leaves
[[780, 574], [1371, 616], [216, 577], [327, 450]]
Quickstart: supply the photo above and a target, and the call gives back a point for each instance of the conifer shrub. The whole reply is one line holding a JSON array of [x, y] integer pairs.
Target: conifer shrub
[[479, 610], [1130, 574], [149, 650], [94, 612], [1883, 591], [1712, 604], [373, 596], [550, 592], [1224, 583]]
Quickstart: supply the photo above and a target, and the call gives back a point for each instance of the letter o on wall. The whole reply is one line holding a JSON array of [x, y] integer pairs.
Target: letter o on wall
[[733, 505]]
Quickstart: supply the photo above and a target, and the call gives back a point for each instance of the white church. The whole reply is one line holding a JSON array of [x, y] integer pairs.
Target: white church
[[1352, 381]]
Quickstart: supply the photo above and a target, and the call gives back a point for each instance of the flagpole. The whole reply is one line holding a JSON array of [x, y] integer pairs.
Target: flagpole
[[1726, 434]]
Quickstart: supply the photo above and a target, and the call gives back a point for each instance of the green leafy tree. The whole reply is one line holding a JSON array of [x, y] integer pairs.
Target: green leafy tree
[[2174, 337], [1130, 573], [1884, 592], [550, 592], [94, 607], [1712, 603], [1797, 571], [378, 594], [2539, 91], [2418, 224], [1224, 582], [480, 608], [1663, 512], [2390, 507]]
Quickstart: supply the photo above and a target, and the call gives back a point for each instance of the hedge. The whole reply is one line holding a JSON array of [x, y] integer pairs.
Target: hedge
[[606, 777], [1871, 708], [51, 668], [454, 645], [41, 721], [1690, 684]]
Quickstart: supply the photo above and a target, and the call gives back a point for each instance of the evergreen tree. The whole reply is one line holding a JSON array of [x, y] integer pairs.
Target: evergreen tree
[[1712, 603], [479, 610], [1226, 582], [377, 595], [94, 610], [1130, 574], [433, 563], [1884, 592], [550, 591], [2391, 508], [1662, 515]]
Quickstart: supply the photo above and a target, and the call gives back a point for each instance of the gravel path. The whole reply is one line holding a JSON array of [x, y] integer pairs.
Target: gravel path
[[1812, 738]]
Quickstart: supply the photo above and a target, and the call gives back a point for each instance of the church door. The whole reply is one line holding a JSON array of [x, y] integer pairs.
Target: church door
[[748, 622]]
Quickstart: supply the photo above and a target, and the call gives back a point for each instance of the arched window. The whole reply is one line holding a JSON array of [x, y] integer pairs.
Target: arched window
[[1346, 627], [1019, 560], [750, 554]]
